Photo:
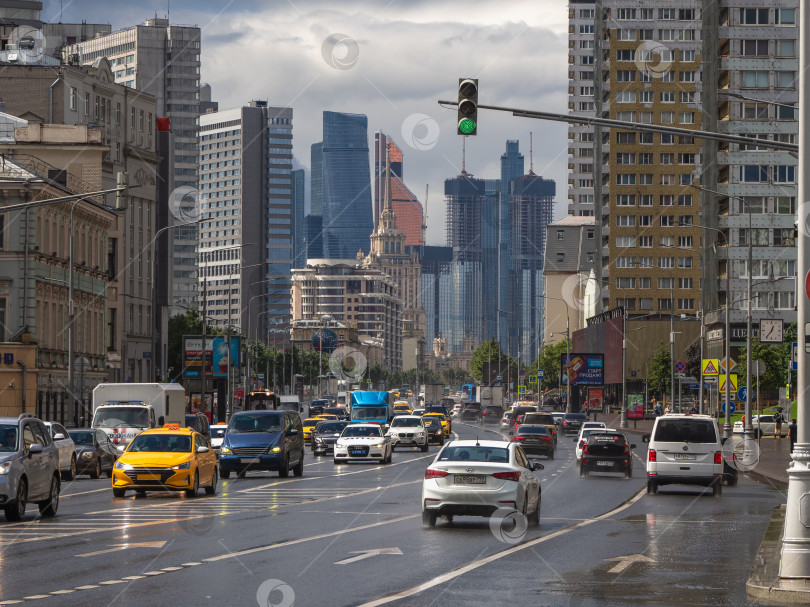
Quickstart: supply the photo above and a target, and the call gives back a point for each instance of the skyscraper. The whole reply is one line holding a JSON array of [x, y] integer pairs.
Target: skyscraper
[[299, 244], [404, 202], [346, 185]]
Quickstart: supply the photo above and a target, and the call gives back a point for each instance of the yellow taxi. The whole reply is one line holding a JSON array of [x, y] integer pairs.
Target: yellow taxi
[[328, 417], [410, 392], [402, 407], [170, 458], [310, 423], [444, 421]]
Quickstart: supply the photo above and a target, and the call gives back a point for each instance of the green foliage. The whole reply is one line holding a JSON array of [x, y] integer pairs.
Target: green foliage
[[489, 351], [659, 378], [455, 376], [551, 364], [189, 323], [776, 358]]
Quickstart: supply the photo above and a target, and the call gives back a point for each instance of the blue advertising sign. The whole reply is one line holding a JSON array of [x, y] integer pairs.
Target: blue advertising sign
[[794, 357], [216, 354], [584, 369]]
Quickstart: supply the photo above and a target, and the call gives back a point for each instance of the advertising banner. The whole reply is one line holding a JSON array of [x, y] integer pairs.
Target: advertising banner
[[216, 356], [595, 396], [635, 406], [584, 369]]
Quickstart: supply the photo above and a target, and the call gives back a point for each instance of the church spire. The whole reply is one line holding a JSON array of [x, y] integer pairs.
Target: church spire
[[388, 219]]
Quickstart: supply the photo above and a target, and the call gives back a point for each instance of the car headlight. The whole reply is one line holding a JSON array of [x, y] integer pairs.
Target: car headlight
[[5, 467], [276, 449], [87, 455], [378, 445], [226, 449], [122, 466], [184, 466], [420, 434]]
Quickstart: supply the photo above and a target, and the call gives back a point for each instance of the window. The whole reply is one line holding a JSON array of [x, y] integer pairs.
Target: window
[[664, 304], [666, 200], [645, 138], [785, 112], [645, 158], [686, 159], [645, 179], [786, 48], [625, 221], [687, 96], [667, 241], [586, 44], [668, 76], [645, 262], [645, 200], [755, 111], [626, 116], [786, 80], [560, 234], [627, 35], [647, 14], [586, 60], [667, 221], [87, 104], [667, 96], [686, 304], [667, 158], [666, 139], [645, 97], [667, 179], [645, 303], [685, 220], [785, 16], [626, 282], [753, 173], [759, 237], [625, 96], [687, 56], [784, 205], [586, 29], [626, 76], [667, 117], [625, 262], [586, 91], [754, 48], [625, 55], [755, 79], [686, 140], [666, 283], [645, 220], [667, 13], [684, 262], [684, 200], [560, 257], [686, 117], [625, 14], [73, 94], [625, 242], [784, 174], [645, 242], [625, 158], [686, 14], [685, 283], [644, 282], [590, 234], [753, 16], [625, 179], [132, 118], [686, 76], [626, 137]]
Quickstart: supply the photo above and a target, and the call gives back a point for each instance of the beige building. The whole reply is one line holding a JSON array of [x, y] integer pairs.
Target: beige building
[[359, 297]]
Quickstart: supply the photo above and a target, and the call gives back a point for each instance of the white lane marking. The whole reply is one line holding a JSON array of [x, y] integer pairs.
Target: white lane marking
[[367, 554], [625, 561], [441, 579], [117, 547], [87, 587], [232, 555], [66, 495]]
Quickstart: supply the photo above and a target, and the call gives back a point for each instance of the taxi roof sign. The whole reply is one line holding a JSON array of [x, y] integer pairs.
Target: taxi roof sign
[[174, 426], [710, 366]]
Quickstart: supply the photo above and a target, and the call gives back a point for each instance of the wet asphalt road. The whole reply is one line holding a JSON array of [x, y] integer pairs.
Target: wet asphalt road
[[270, 541]]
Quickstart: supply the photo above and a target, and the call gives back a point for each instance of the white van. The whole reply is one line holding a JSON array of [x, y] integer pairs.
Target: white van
[[684, 450]]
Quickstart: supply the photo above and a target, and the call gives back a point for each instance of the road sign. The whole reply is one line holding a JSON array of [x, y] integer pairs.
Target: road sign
[[712, 379], [522, 372], [691, 380], [532, 379], [499, 377], [680, 366], [733, 365], [541, 374], [680, 375], [710, 366], [794, 357], [521, 389], [732, 409], [261, 376], [758, 368], [742, 394], [733, 386]]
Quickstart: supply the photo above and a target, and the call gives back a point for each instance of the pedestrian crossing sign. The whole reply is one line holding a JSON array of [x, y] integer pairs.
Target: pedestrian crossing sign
[[710, 366], [521, 389]]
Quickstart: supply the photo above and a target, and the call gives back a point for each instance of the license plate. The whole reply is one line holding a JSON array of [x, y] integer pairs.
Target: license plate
[[687, 457], [604, 463], [249, 460], [148, 477], [469, 479], [356, 452], [532, 440]]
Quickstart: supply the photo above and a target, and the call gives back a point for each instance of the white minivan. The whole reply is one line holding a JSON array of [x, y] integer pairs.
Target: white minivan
[[684, 450]]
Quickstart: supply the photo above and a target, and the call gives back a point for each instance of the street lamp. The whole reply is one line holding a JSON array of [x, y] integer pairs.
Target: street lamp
[[567, 352]]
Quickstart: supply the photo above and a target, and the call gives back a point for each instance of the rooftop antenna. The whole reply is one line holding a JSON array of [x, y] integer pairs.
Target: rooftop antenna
[[531, 154]]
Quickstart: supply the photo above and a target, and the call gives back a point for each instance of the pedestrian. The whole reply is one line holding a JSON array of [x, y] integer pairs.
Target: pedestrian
[[668, 410], [777, 420], [793, 429], [657, 408]]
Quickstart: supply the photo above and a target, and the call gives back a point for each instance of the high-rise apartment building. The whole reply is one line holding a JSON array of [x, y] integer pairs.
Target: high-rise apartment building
[[246, 234], [404, 202], [342, 186], [163, 60]]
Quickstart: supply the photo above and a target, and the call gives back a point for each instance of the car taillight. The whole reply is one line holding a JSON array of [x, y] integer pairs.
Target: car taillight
[[585, 450], [627, 449], [518, 438], [651, 455], [507, 476], [545, 438], [718, 457], [431, 473], [581, 444]]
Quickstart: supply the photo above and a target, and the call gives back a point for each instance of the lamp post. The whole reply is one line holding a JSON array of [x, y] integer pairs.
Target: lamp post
[[567, 351]]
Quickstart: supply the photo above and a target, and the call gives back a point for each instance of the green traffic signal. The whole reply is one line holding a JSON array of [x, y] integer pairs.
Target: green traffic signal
[[466, 126], [467, 106]]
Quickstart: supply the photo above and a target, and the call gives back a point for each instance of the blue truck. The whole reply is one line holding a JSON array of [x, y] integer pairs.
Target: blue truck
[[371, 407]]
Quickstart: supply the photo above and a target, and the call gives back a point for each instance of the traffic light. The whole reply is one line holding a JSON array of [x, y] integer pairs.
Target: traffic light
[[467, 106]]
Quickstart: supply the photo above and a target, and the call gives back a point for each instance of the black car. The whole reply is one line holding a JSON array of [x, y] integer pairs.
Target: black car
[[325, 434], [434, 430], [341, 412], [572, 423], [607, 452], [534, 440], [491, 414], [94, 452], [317, 406], [471, 412]]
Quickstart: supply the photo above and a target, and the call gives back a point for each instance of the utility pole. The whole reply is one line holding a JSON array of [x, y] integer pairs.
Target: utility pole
[[623, 422]]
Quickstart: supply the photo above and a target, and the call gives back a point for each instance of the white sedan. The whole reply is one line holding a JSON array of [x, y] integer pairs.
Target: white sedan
[[763, 425], [408, 431], [67, 450], [217, 436], [478, 478], [363, 442], [585, 433]]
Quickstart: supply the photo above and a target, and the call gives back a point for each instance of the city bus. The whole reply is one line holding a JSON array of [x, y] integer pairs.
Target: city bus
[[262, 400]]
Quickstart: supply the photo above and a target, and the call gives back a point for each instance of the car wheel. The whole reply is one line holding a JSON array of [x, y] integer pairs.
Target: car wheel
[[284, 471], [70, 473], [757, 433], [49, 507], [717, 488], [534, 517], [119, 492], [225, 473], [212, 489], [425, 447], [441, 442], [299, 467], [582, 470], [195, 487], [429, 518], [731, 480], [336, 461], [96, 472], [109, 473], [652, 487], [551, 454], [16, 511]]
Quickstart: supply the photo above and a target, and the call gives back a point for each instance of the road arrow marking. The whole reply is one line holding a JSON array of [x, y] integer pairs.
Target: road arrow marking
[[625, 561], [124, 547], [364, 554]]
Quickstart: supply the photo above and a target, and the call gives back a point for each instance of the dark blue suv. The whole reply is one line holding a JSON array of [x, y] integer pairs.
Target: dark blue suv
[[263, 440]]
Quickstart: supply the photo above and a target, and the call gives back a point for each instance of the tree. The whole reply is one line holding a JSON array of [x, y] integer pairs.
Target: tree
[[456, 376], [489, 351], [189, 323], [692, 359], [550, 362], [775, 357], [659, 377]]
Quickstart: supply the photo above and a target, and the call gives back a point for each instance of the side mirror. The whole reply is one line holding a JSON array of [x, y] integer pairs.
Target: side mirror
[[161, 421], [292, 432], [632, 446], [202, 449], [535, 467], [34, 449], [58, 436], [645, 438]]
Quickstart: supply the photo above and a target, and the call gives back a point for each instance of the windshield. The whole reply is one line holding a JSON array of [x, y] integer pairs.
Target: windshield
[[261, 422], [114, 417], [8, 438], [532, 430], [82, 438], [160, 443], [334, 410], [588, 431], [217, 432], [369, 413], [575, 416], [404, 422], [685, 431], [430, 422], [311, 421], [358, 431], [331, 427], [475, 454]]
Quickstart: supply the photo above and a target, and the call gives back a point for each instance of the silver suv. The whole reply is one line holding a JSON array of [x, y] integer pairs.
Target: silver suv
[[29, 467]]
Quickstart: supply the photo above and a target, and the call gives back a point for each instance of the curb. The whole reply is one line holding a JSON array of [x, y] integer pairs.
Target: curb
[[764, 584]]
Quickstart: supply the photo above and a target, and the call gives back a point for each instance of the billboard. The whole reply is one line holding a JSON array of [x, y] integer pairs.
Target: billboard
[[635, 406], [595, 396], [584, 369], [215, 354]]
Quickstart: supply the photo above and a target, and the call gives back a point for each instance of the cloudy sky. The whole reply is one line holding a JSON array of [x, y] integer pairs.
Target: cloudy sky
[[389, 60]]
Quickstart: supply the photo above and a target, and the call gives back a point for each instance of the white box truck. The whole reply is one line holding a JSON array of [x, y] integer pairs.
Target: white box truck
[[123, 411], [434, 393], [489, 395]]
